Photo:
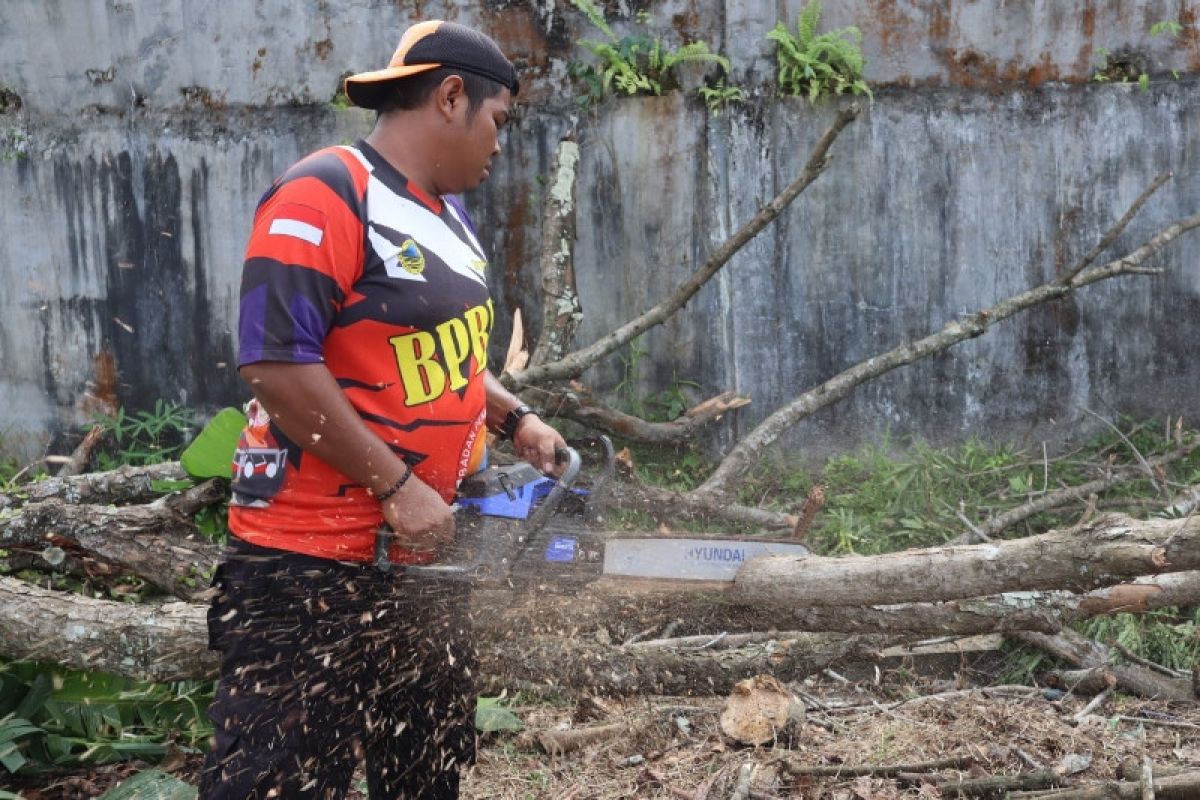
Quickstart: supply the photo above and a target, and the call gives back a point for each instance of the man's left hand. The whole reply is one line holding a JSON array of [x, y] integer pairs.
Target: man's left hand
[[535, 441]]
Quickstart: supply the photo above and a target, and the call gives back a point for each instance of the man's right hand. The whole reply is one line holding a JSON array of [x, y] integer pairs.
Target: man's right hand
[[420, 519]]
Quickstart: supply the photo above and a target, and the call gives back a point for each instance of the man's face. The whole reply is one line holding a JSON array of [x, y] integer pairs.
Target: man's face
[[475, 141]]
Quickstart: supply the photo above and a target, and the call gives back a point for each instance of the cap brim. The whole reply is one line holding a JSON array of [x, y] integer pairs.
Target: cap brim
[[369, 89]]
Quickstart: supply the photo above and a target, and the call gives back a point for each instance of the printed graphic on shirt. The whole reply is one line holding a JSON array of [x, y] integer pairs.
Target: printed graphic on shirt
[[259, 463], [446, 359]]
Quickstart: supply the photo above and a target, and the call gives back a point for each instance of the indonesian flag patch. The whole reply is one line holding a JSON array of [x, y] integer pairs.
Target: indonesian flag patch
[[302, 222]]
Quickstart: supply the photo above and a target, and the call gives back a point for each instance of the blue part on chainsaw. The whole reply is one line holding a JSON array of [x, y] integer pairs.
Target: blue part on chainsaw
[[515, 503]]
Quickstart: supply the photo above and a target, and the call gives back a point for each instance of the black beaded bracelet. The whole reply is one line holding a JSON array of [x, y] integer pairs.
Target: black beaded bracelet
[[387, 493], [508, 428]]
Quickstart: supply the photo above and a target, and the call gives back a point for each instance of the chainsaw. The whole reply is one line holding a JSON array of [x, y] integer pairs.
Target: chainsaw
[[517, 526]]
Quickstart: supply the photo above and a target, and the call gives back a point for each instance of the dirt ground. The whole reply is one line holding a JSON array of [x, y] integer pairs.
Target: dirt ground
[[673, 747]]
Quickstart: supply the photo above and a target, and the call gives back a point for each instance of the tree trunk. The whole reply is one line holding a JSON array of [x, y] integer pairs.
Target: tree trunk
[[1103, 552], [560, 301], [169, 641]]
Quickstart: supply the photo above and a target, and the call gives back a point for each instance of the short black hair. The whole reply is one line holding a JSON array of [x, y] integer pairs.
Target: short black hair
[[412, 92]]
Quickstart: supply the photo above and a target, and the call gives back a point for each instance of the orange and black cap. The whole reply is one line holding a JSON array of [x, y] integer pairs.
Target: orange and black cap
[[430, 45]]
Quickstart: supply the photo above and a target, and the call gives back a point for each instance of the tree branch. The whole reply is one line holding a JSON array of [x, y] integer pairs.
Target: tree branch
[[1115, 230], [746, 453], [572, 365], [585, 410]]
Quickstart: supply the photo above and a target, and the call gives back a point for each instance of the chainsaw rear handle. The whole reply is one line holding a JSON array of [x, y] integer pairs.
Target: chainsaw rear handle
[[562, 455]]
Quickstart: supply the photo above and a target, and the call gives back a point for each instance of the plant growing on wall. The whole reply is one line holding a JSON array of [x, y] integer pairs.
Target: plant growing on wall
[[634, 64], [1127, 66], [718, 96], [816, 65]]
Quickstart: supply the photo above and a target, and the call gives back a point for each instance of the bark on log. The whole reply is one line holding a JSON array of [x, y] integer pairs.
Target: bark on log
[[557, 665], [154, 542], [991, 786], [794, 766], [164, 642], [124, 485], [1080, 651], [1103, 552]]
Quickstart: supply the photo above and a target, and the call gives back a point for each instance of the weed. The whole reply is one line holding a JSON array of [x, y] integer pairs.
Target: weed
[[1167, 636], [816, 65], [145, 437], [1166, 27], [627, 390], [635, 64], [1127, 66], [58, 717], [340, 100], [14, 144], [718, 97]]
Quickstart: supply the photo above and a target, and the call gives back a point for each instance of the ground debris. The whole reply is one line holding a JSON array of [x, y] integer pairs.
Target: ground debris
[[888, 741]]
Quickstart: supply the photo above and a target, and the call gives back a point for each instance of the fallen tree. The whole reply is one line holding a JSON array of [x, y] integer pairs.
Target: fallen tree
[[535, 638], [1105, 551]]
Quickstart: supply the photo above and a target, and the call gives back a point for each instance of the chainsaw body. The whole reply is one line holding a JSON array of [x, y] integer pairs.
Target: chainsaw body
[[516, 526]]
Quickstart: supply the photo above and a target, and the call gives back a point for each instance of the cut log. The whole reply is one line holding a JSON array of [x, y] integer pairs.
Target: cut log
[[1080, 651], [167, 642], [1090, 681], [1105, 551], [164, 642], [154, 542], [121, 486]]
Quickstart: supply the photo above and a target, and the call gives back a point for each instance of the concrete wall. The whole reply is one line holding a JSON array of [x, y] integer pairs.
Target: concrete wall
[[988, 162]]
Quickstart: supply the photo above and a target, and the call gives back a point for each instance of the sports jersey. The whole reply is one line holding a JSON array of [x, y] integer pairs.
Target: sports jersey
[[352, 265]]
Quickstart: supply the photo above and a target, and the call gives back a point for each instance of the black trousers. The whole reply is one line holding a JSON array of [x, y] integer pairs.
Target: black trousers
[[324, 664]]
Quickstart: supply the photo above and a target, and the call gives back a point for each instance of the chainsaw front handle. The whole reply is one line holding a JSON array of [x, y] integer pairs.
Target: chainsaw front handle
[[479, 569]]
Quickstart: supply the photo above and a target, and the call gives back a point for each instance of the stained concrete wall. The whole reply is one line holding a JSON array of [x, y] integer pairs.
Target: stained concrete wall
[[988, 162]]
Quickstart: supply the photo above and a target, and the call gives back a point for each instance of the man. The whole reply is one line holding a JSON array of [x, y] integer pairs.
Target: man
[[363, 333]]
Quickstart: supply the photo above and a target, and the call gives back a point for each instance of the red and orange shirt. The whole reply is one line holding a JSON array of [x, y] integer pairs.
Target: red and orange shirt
[[351, 265]]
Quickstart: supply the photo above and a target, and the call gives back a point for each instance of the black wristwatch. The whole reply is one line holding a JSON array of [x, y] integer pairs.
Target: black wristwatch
[[508, 428]]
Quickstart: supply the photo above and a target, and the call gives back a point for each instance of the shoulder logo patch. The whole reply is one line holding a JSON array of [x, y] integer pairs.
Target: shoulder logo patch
[[411, 257]]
